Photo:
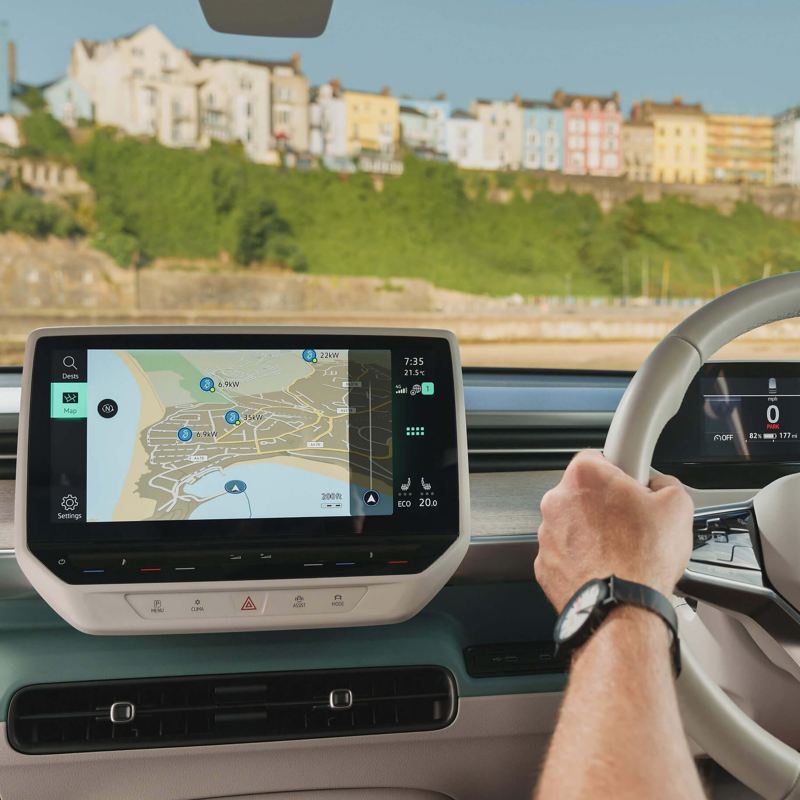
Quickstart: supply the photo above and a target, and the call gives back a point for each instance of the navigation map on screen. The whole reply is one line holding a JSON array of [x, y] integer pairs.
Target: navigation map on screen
[[228, 434]]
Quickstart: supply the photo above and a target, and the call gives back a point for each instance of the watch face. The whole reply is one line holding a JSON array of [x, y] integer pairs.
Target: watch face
[[579, 609]]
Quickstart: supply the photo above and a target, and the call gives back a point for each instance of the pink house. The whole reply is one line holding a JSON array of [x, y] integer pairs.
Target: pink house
[[592, 133]]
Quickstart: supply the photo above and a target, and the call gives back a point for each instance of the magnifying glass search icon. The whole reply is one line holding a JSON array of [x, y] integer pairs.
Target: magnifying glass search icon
[[69, 362]]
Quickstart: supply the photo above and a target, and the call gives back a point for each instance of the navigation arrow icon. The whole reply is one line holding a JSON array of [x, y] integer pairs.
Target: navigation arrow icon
[[371, 497]]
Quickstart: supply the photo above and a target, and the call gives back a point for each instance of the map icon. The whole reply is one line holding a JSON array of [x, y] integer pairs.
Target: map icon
[[232, 417], [207, 384], [310, 356], [235, 487], [184, 434]]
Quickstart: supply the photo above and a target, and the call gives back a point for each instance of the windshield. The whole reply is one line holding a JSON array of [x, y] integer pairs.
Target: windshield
[[558, 183]]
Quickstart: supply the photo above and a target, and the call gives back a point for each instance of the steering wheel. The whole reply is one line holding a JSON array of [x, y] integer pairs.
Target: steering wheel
[[758, 759]]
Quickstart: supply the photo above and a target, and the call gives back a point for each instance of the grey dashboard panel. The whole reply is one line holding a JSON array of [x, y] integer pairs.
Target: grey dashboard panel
[[542, 399]]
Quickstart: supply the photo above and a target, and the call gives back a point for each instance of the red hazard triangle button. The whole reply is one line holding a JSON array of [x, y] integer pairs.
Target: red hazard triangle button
[[249, 605]]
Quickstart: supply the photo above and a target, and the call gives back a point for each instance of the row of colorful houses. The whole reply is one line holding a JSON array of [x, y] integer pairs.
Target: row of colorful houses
[[145, 85]]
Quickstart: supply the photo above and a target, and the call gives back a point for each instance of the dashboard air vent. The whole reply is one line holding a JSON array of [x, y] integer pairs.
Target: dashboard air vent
[[223, 709]]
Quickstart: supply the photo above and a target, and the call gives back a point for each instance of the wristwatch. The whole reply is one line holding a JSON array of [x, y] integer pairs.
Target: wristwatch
[[593, 602]]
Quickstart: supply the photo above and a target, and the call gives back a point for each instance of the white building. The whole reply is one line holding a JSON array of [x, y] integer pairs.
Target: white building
[[234, 101], [145, 85], [141, 84], [465, 144], [502, 132], [787, 145], [328, 123], [9, 131]]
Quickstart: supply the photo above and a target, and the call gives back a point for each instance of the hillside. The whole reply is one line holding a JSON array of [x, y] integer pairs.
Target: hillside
[[434, 222]]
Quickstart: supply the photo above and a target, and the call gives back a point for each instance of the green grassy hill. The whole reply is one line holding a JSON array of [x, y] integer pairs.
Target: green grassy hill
[[434, 222]]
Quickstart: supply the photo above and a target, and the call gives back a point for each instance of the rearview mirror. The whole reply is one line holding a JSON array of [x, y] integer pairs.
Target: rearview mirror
[[288, 18]]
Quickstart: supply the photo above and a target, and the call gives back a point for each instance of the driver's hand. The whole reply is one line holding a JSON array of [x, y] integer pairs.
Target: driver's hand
[[599, 521]]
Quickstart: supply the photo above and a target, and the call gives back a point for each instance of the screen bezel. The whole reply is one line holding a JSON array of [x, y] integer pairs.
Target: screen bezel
[[43, 535]]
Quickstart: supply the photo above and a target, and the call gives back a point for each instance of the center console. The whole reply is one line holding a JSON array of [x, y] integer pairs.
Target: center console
[[210, 479]]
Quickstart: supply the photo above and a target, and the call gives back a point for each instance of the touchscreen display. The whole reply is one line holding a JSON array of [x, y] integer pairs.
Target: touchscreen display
[[169, 436]]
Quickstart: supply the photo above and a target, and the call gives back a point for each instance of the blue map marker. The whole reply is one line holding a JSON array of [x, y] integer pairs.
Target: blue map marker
[[235, 487], [310, 356], [232, 417], [207, 384], [184, 434]]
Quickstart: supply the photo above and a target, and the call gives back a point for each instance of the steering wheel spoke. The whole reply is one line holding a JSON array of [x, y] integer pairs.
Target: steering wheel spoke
[[726, 570], [726, 559], [726, 538]]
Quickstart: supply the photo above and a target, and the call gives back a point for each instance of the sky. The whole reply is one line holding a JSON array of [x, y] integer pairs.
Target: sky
[[731, 55]]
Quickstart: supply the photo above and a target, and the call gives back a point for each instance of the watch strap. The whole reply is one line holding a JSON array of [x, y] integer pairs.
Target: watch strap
[[622, 592]]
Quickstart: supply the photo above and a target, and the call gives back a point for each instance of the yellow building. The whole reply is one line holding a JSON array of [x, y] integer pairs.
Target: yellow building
[[372, 122], [741, 149], [679, 139]]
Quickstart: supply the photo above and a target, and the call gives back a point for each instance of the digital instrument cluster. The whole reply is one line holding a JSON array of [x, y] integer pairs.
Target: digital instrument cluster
[[736, 415]]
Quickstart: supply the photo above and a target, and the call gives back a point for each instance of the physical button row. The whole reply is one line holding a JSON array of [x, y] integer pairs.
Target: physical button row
[[284, 602], [187, 565]]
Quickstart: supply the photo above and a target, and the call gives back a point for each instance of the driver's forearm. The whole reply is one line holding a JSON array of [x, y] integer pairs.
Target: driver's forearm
[[619, 733]]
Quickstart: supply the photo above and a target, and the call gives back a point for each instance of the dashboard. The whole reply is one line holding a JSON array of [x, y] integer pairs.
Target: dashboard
[[174, 480], [484, 626]]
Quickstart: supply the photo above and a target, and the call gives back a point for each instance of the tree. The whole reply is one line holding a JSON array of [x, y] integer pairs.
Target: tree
[[258, 223]]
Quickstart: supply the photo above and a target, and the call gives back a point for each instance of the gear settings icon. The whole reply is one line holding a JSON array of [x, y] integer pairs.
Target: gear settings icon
[[69, 502]]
